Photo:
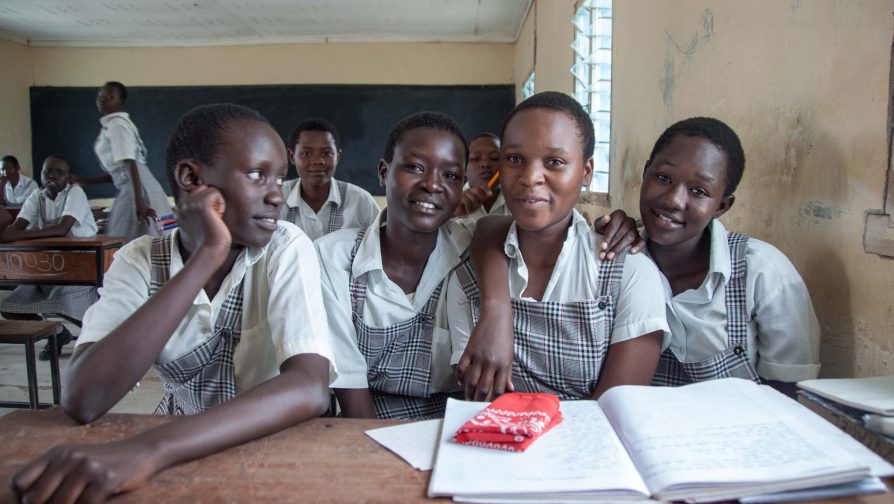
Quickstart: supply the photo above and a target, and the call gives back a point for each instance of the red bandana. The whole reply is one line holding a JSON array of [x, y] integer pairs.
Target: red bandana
[[512, 422]]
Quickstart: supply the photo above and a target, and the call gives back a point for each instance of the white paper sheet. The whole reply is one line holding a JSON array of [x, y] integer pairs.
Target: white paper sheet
[[414, 442]]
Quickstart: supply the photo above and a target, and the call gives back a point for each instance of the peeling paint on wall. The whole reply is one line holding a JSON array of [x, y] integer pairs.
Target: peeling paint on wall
[[668, 82]]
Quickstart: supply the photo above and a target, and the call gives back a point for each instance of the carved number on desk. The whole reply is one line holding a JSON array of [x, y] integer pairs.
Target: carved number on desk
[[32, 262]]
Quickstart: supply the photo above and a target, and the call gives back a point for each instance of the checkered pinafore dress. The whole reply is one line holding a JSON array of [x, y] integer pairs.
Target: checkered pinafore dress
[[336, 214], [559, 347], [205, 377], [398, 357], [732, 361]]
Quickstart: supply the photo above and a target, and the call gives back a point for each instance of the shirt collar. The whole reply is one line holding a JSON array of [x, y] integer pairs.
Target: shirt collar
[[720, 258], [578, 227], [46, 192], [104, 120], [295, 199]]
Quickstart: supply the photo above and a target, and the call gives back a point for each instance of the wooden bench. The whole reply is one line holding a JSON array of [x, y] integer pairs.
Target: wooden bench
[[27, 333]]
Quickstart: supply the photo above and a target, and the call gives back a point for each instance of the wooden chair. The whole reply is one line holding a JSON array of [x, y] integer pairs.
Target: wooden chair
[[27, 333]]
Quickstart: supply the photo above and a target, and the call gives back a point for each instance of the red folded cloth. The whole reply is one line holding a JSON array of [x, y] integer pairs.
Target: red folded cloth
[[512, 422]]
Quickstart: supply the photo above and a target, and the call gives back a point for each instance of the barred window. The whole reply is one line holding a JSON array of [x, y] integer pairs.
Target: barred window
[[528, 88], [592, 72]]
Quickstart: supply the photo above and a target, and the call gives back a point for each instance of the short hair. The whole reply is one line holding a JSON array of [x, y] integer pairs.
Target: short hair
[[560, 102], [122, 89], [197, 134], [60, 158], [10, 159], [718, 133], [485, 134], [425, 119], [315, 124]]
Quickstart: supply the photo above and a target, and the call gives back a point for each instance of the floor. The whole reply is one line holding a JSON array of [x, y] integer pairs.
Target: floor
[[14, 384]]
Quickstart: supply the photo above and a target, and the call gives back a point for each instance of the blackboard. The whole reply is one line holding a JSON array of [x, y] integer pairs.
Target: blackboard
[[65, 121]]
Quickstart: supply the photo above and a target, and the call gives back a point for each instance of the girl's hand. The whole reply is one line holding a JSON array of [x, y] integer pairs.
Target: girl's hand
[[144, 212], [200, 215], [485, 369], [618, 231], [86, 473], [472, 198]]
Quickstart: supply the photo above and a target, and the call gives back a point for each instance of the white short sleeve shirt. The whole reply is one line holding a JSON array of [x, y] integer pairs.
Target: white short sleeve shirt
[[783, 333], [386, 303], [282, 311], [16, 196], [70, 201], [639, 309], [359, 208], [118, 140]]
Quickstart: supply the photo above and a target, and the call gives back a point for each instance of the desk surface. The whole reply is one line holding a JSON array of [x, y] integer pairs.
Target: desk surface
[[57, 261], [324, 459], [66, 242]]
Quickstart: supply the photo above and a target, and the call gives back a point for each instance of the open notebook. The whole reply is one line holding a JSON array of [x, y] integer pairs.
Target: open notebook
[[715, 440]]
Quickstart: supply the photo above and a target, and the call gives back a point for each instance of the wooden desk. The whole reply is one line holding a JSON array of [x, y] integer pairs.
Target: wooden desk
[[321, 460], [58, 261]]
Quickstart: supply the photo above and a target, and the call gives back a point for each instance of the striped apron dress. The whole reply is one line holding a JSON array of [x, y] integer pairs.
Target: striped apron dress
[[336, 213], [69, 300], [205, 377], [398, 357], [733, 360], [559, 346]]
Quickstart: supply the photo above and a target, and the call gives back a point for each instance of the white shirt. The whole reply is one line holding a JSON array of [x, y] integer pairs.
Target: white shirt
[[16, 196], [118, 140], [70, 201], [282, 311], [359, 209], [386, 303], [639, 309], [783, 334], [498, 208]]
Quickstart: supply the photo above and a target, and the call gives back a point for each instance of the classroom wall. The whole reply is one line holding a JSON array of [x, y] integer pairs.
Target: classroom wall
[[805, 85], [337, 63], [15, 108]]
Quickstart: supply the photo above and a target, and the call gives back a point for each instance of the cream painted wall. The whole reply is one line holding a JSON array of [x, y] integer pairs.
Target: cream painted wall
[[805, 85], [554, 35], [524, 52], [343, 63], [15, 104]]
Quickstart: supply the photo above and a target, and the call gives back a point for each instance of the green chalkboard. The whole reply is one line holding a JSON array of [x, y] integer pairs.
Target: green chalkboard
[[64, 120]]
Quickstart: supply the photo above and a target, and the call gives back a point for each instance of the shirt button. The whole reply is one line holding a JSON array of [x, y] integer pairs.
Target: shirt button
[[738, 350], [602, 305]]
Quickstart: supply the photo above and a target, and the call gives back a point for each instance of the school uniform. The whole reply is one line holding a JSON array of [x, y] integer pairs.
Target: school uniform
[[561, 341], [269, 308], [119, 140], [16, 196], [41, 211], [498, 208], [395, 344], [751, 317], [348, 206]]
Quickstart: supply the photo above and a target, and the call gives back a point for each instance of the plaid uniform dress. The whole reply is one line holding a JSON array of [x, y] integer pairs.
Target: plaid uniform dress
[[205, 377], [69, 300], [732, 361], [336, 214], [559, 346], [398, 357]]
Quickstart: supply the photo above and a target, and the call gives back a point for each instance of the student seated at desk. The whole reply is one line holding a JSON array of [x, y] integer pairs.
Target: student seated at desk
[[227, 308], [735, 305], [315, 201], [15, 187], [478, 199], [384, 285], [59, 209], [582, 325]]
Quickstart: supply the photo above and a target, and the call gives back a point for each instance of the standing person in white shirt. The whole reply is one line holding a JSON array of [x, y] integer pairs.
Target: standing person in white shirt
[[59, 209], [16, 187], [582, 325], [140, 199], [315, 201], [227, 308], [384, 286]]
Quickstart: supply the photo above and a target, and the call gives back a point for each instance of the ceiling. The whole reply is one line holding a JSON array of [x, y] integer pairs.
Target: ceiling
[[146, 23]]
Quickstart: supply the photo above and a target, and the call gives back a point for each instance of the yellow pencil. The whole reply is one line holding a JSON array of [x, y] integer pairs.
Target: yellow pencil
[[493, 180]]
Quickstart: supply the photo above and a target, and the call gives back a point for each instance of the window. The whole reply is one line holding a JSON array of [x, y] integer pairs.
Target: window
[[528, 88], [592, 72]]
